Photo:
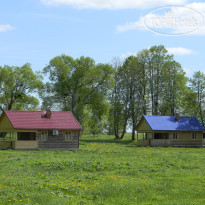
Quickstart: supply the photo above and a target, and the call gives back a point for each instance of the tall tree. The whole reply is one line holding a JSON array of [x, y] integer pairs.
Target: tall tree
[[198, 86], [17, 85], [157, 56], [77, 84], [143, 61], [119, 110], [163, 81], [132, 83], [173, 82]]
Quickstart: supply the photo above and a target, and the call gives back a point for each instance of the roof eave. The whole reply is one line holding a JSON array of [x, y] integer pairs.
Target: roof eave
[[25, 128]]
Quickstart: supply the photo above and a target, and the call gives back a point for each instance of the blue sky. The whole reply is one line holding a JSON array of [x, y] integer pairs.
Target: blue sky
[[35, 31]]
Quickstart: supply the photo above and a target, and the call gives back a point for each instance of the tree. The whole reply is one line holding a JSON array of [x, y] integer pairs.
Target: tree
[[173, 83], [189, 102], [16, 87], [134, 87], [198, 86], [77, 85], [119, 111], [163, 82], [143, 61], [157, 57]]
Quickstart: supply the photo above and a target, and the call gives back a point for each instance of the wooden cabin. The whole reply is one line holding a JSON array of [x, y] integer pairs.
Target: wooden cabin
[[39, 130], [170, 131]]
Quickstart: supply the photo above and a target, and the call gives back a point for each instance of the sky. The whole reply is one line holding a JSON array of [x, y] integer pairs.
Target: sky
[[35, 31]]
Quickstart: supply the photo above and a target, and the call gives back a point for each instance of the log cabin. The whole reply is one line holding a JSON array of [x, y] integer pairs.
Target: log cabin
[[39, 130], [170, 131]]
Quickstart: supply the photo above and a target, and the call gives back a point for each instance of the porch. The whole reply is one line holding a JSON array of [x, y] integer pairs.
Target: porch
[[153, 139], [18, 140]]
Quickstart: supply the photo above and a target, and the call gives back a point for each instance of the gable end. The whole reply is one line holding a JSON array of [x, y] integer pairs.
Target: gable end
[[5, 123], [143, 126]]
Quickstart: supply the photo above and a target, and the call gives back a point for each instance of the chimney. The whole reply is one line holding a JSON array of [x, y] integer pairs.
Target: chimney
[[177, 116], [48, 113]]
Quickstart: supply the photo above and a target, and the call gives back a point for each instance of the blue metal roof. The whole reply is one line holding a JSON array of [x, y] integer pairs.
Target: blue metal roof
[[170, 123]]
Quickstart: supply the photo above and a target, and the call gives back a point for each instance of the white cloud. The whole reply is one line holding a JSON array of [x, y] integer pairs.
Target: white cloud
[[180, 51], [114, 4], [4, 28], [200, 7], [138, 25], [126, 55], [195, 12], [175, 51], [188, 72]]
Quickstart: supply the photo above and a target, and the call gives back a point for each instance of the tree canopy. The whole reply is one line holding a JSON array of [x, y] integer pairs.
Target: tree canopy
[[78, 85], [18, 86]]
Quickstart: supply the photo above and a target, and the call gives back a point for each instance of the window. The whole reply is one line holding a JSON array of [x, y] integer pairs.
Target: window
[[194, 136], [44, 136], [203, 135], [67, 136], [175, 136], [55, 132], [146, 135]]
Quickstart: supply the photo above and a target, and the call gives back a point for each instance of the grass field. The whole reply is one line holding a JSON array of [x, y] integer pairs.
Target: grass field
[[104, 171]]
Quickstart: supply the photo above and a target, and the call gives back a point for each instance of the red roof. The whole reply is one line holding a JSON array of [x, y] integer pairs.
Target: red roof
[[34, 120]]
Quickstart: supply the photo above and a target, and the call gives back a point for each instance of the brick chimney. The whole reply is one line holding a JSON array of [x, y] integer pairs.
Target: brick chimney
[[48, 113]]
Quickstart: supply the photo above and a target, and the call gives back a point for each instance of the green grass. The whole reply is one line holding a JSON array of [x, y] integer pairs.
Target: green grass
[[104, 171]]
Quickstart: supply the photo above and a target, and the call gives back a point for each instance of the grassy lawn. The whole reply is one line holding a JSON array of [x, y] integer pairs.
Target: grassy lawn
[[104, 171]]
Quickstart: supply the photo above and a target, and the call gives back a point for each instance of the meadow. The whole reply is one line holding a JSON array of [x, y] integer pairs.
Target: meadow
[[103, 171]]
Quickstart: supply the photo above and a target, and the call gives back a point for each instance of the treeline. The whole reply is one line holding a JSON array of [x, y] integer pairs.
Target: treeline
[[107, 98]]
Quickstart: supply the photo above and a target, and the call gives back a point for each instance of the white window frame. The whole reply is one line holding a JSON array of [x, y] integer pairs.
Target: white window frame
[[44, 136], [193, 135], [68, 136], [175, 136]]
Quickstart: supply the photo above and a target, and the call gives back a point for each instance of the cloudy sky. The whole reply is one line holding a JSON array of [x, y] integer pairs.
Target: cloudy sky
[[35, 31]]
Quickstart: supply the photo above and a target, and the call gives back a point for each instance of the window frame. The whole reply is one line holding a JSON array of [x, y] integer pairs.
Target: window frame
[[194, 136], [66, 136], [175, 136], [44, 136]]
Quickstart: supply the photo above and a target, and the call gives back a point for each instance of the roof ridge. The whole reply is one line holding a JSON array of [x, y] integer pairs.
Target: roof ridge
[[33, 111], [166, 116]]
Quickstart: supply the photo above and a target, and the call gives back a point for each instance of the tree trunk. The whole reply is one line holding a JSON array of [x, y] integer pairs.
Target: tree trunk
[[123, 133], [116, 133], [9, 106], [124, 128], [133, 134]]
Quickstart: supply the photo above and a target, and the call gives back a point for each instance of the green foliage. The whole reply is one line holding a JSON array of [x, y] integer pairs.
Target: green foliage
[[80, 86], [198, 87], [119, 112], [150, 83], [164, 81], [103, 171], [16, 87]]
